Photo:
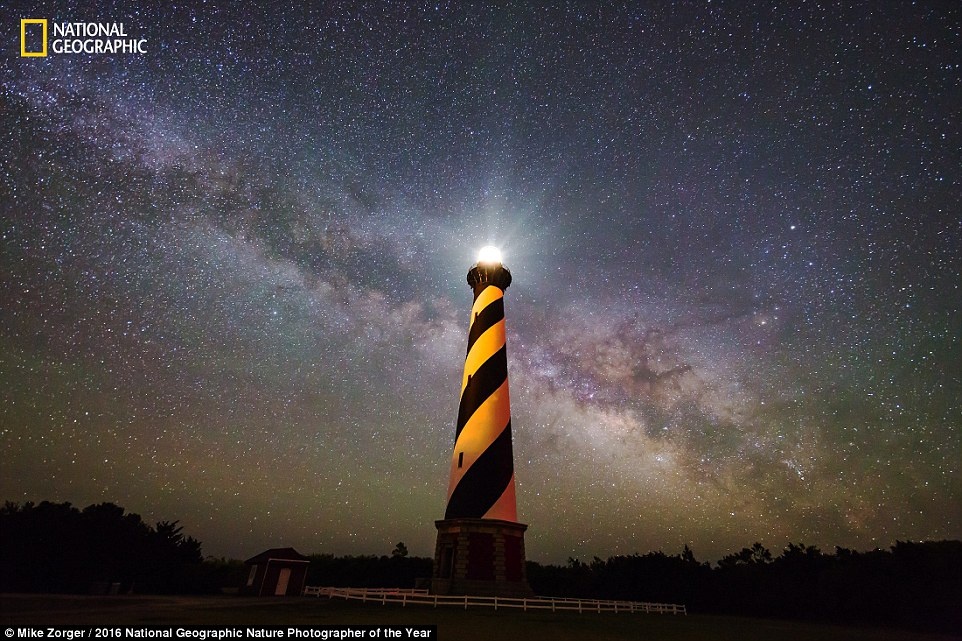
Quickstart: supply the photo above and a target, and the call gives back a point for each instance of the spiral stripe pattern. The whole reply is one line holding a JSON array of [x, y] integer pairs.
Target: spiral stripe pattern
[[482, 466]]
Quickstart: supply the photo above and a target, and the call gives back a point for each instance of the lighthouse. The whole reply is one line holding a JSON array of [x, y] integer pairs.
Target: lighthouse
[[480, 544]]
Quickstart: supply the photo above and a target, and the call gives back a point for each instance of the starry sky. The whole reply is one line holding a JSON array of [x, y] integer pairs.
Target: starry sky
[[232, 275]]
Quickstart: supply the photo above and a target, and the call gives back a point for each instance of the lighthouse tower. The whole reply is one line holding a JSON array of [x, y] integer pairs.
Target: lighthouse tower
[[480, 545]]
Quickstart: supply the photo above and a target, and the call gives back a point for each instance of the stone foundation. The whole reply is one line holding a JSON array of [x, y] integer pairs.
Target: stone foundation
[[481, 557]]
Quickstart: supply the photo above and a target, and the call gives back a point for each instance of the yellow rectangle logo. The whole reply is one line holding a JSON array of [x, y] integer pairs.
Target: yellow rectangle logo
[[23, 38]]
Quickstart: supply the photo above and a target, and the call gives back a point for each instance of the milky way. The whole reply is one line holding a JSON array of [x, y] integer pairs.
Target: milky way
[[232, 273]]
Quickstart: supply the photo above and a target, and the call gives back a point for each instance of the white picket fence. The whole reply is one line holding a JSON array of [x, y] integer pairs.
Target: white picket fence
[[421, 597]]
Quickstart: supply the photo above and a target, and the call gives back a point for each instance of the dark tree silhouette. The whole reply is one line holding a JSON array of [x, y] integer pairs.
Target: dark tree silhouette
[[911, 585], [54, 547], [755, 555], [367, 571]]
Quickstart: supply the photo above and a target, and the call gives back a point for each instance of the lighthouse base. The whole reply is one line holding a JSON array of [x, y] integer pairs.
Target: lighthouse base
[[482, 557]]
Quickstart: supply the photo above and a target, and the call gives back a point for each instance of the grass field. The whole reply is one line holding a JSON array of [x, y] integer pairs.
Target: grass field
[[453, 624]]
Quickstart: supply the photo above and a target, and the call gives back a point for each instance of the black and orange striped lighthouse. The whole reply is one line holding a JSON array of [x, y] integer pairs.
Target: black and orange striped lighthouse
[[480, 545]]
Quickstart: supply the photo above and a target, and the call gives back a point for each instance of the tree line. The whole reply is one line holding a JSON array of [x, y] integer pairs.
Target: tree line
[[55, 547], [916, 585]]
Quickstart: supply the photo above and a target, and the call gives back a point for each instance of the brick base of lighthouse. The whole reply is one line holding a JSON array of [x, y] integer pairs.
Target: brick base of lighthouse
[[481, 557]]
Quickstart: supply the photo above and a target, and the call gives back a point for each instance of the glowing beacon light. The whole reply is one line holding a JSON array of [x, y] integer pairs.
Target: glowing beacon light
[[489, 255]]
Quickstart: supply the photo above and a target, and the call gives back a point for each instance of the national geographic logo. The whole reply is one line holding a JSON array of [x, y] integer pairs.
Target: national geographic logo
[[96, 38], [33, 52]]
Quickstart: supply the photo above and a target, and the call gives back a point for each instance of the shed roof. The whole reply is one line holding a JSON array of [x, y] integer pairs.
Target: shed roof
[[277, 554]]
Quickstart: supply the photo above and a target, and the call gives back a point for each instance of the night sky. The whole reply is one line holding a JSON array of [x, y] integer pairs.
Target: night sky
[[232, 270]]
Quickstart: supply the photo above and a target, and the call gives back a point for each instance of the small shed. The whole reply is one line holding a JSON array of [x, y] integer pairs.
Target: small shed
[[276, 572]]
